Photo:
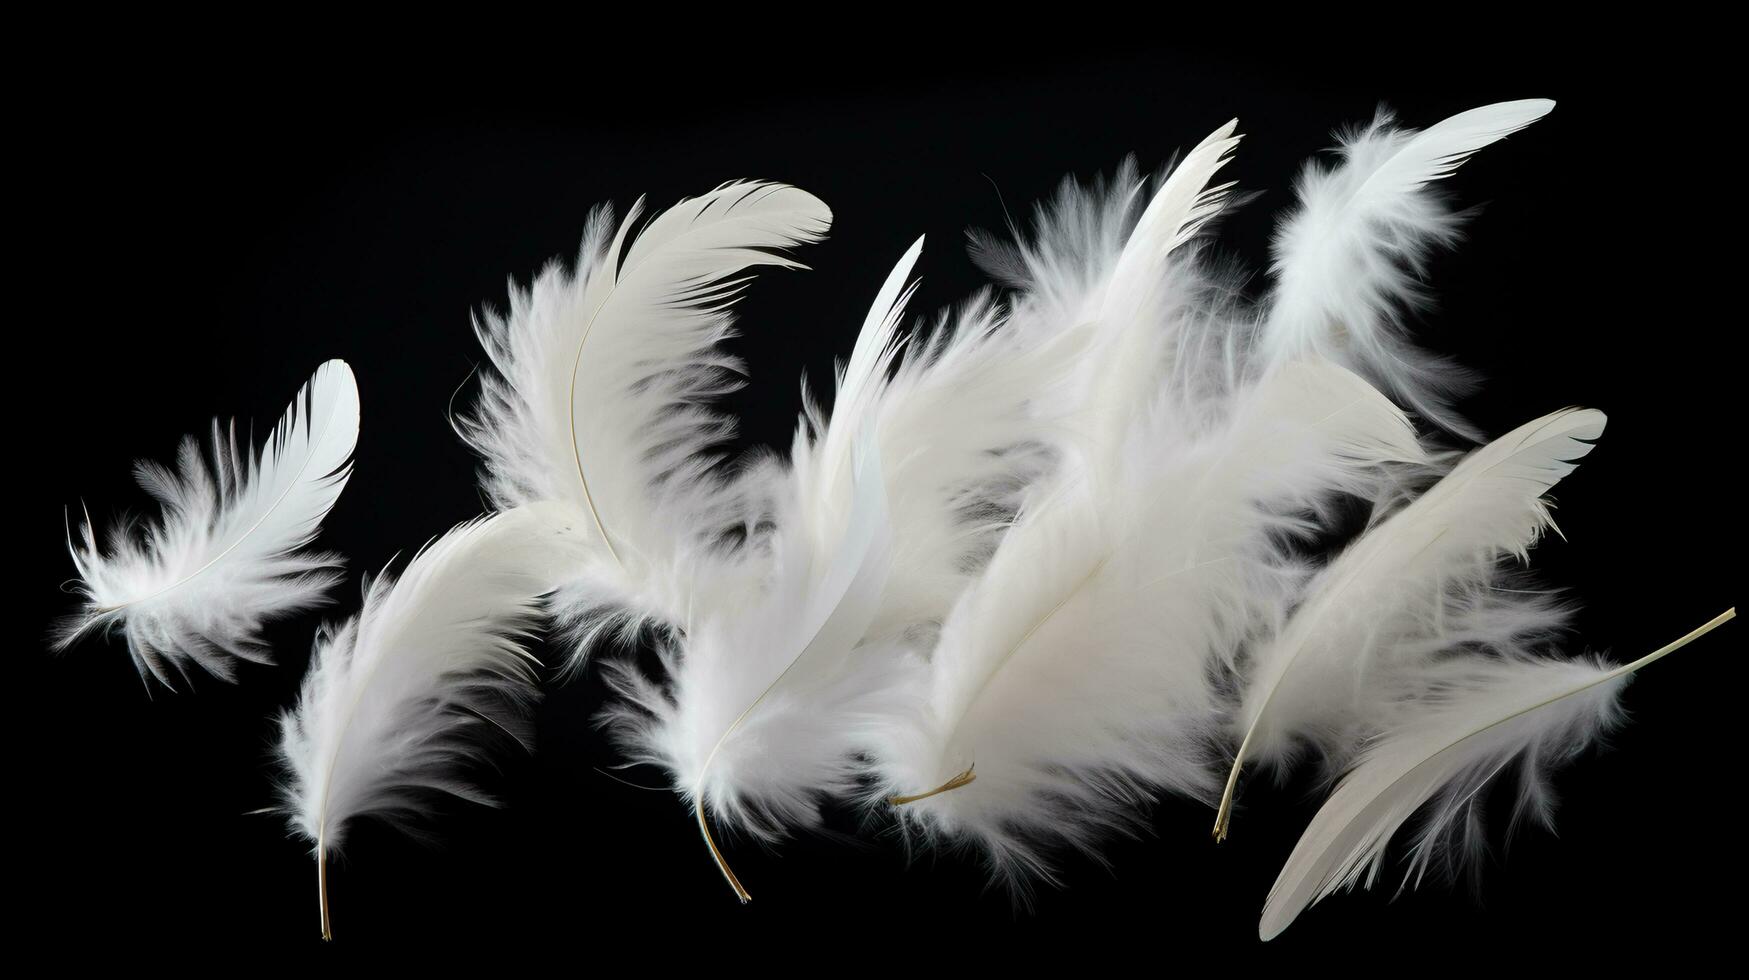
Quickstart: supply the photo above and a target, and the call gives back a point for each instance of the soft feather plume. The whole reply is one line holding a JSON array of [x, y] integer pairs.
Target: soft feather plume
[[1482, 715], [602, 392], [760, 716], [942, 433], [1074, 680], [1389, 595], [226, 556], [1114, 272], [957, 425], [1348, 261], [396, 698]]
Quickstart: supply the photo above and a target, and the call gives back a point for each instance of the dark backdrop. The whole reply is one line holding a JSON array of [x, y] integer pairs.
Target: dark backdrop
[[206, 230]]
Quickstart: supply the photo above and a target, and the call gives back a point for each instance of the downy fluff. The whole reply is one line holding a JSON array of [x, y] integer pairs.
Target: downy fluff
[[227, 555]]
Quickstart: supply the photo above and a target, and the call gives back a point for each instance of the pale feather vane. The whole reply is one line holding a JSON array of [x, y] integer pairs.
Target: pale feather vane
[[1349, 260], [196, 586], [758, 718], [1481, 716], [601, 396], [397, 699]]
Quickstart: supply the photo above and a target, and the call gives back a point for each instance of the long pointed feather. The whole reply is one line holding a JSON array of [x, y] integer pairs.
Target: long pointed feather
[[1445, 751]]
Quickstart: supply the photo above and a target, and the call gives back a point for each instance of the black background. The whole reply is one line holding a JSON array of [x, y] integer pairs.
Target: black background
[[206, 229]]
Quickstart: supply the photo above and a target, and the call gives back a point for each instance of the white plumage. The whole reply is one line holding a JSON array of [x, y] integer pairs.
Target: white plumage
[[602, 391], [762, 708], [396, 698], [1075, 679], [759, 717], [1039, 566], [1478, 716], [1389, 597], [226, 556], [1348, 262]]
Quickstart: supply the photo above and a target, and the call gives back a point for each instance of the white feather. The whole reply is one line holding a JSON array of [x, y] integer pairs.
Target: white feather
[[944, 435], [1394, 585], [1153, 288], [957, 428], [604, 378], [761, 712], [1443, 750], [1348, 261], [1076, 675], [396, 699], [226, 556]]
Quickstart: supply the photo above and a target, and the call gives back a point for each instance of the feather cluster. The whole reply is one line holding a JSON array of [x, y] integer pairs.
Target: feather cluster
[[1084, 544]]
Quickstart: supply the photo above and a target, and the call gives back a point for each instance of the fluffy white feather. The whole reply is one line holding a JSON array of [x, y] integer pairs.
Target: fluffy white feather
[[226, 556], [1074, 679], [762, 708], [1483, 715], [1348, 261], [1119, 273], [945, 432], [602, 391], [957, 428], [396, 699], [1387, 596]]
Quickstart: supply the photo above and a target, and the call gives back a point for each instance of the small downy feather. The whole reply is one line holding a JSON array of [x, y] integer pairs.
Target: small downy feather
[[196, 586], [602, 391], [1387, 594], [1348, 261], [1484, 715], [397, 699]]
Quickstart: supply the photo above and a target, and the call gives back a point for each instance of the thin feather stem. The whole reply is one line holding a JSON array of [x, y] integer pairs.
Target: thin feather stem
[[577, 451], [704, 829], [1675, 645], [956, 782], [1224, 815], [322, 886]]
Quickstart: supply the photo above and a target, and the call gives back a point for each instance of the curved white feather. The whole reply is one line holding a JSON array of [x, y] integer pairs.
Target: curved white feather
[[1489, 506], [956, 425], [1347, 261], [759, 718], [225, 557], [604, 379], [1151, 292], [1445, 750], [395, 698]]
